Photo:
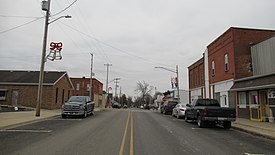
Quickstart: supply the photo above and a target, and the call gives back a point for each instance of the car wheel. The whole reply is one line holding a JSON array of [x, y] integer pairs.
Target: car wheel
[[63, 116], [200, 122], [226, 125], [186, 119], [178, 117]]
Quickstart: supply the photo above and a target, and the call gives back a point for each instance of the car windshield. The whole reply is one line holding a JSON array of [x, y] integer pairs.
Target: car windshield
[[77, 99], [207, 102]]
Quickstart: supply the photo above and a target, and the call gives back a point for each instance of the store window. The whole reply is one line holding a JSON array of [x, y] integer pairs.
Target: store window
[[3, 95], [253, 98], [242, 99]]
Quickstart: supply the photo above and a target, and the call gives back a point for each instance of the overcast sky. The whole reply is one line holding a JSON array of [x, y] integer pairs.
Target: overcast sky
[[133, 35]]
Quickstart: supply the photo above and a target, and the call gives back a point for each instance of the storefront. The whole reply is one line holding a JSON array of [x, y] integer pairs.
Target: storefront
[[255, 97]]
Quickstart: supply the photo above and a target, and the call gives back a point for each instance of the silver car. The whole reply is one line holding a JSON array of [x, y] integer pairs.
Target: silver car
[[78, 106], [179, 110]]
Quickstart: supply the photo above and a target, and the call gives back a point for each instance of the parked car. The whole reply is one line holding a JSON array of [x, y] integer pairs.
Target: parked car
[[116, 105], [179, 110], [78, 106], [168, 107], [206, 111]]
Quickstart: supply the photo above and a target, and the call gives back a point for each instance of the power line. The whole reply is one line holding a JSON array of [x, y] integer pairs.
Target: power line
[[21, 25], [106, 44], [65, 8], [10, 16]]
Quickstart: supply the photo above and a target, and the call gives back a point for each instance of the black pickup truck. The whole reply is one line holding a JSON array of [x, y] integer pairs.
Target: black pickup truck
[[206, 111]]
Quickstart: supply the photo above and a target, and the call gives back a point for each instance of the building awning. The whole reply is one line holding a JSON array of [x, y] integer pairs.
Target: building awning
[[254, 83]]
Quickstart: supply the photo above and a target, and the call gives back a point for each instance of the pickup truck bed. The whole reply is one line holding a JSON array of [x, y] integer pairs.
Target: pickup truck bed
[[206, 111]]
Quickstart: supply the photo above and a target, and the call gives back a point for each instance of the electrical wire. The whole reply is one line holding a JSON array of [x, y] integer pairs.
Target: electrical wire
[[108, 45], [64, 9], [9, 16], [2, 32]]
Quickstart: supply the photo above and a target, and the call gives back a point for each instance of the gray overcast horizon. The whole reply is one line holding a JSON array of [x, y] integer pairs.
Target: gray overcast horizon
[[133, 35]]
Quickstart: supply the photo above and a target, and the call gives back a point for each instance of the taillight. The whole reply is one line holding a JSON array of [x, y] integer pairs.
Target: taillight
[[205, 112]]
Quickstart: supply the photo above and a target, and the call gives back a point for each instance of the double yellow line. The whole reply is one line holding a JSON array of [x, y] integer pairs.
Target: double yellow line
[[130, 117]]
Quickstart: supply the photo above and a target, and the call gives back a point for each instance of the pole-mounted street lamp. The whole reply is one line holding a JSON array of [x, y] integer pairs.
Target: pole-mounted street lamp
[[45, 7], [177, 72]]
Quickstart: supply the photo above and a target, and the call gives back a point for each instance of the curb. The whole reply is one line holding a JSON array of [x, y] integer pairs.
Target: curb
[[27, 122], [253, 133]]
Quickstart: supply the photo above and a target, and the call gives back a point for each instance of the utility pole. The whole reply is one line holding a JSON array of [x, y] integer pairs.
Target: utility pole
[[178, 84], [91, 79], [43, 59], [107, 65]]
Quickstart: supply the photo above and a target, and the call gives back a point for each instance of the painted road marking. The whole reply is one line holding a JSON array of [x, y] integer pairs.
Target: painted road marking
[[124, 136], [132, 136], [130, 118], [32, 131]]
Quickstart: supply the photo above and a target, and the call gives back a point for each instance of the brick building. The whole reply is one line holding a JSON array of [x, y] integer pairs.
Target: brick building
[[226, 59], [19, 88], [196, 80], [229, 58], [255, 95], [82, 87]]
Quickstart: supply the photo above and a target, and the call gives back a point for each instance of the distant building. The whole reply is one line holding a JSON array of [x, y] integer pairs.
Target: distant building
[[19, 88], [82, 88]]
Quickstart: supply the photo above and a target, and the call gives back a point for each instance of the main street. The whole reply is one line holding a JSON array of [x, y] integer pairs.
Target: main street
[[128, 131]]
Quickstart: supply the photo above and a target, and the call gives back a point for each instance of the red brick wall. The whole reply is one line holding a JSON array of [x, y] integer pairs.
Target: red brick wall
[[97, 86], [196, 74], [236, 43], [28, 94]]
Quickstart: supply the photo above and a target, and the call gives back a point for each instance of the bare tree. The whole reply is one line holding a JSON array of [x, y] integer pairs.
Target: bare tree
[[144, 89]]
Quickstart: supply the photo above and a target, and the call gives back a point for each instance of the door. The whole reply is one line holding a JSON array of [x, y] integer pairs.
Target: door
[[15, 97], [264, 105]]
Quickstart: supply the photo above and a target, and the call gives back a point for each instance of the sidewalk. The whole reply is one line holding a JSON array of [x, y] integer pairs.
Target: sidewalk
[[264, 129], [13, 119]]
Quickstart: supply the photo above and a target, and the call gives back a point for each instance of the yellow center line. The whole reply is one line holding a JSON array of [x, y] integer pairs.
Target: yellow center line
[[132, 137], [124, 136]]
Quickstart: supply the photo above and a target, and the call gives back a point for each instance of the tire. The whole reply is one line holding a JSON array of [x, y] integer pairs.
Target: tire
[[226, 125], [200, 122], [186, 119], [63, 116], [178, 117]]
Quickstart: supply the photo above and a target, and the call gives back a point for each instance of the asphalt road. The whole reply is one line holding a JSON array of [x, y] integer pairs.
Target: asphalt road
[[128, 132]]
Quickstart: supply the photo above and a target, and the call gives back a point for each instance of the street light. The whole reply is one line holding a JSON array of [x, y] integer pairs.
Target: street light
[[177, 73], [45, 7]]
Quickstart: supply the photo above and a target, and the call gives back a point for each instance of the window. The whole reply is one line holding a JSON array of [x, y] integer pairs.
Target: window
[[213, 68], [77, 86], [242, 99], [63, 95], [3, 95], [253, 98], [56, 95], [88, 87], [226, 62]]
